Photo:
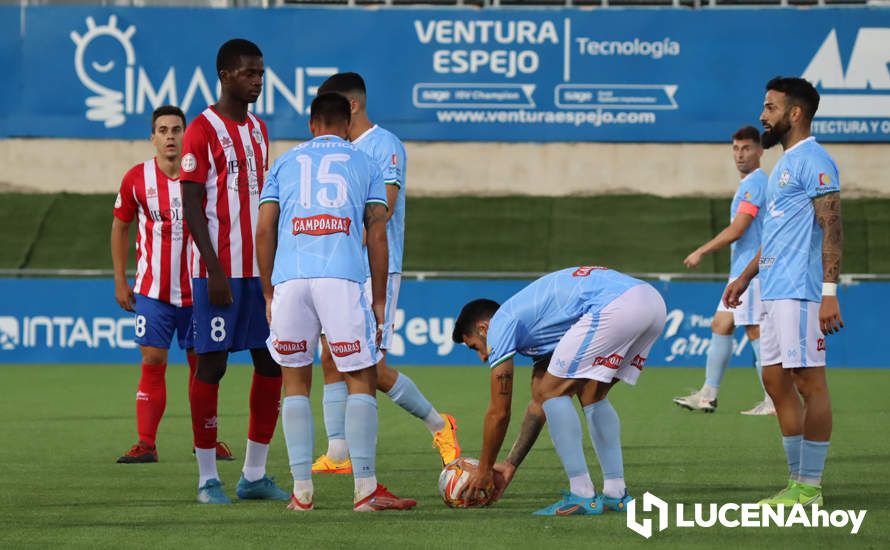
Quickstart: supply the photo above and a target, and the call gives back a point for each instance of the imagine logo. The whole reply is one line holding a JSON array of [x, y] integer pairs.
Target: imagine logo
[[105, 63], [9, 333]]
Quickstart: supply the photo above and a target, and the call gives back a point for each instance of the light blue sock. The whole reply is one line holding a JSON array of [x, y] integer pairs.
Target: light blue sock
[[755, 347], [296, 420], [719, 351], [812, 461], [605, 432], [792, 444], [565, 432], [406, 395], [361, 433], [334, 404]]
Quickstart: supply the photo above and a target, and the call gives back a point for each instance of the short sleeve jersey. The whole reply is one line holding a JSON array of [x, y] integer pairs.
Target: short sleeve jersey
[[322, 187], [791, 256], [389, 154], [229, 159], [749, 198], [533, 321], [148, 195]]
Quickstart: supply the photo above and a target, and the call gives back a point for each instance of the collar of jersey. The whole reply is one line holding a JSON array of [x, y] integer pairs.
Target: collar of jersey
[[799, 143], [365, 133]]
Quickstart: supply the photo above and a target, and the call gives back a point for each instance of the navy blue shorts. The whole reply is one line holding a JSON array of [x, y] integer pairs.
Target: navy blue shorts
[[156, 321], [240, 325]]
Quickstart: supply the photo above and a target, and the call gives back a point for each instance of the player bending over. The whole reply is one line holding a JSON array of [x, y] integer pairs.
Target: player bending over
[[743, 236], [799, 265], [598, 326], [161, 296], [319, 197], [388, 153], [224, 156]]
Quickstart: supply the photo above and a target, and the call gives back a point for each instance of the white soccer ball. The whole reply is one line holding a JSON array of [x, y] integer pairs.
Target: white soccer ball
[[453, 479]]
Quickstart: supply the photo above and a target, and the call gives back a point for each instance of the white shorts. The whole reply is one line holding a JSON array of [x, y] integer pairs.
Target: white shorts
[[750, 312], [301, 307], [613, 342], [790, 334], [393, 282]]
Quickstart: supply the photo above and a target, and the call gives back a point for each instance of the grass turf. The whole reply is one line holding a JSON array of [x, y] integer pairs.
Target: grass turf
[[63, 426]]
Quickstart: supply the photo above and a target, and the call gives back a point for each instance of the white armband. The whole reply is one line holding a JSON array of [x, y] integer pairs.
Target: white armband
[[829, 289]]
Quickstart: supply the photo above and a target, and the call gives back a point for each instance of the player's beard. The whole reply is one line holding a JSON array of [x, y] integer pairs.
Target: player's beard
[[774, 136]]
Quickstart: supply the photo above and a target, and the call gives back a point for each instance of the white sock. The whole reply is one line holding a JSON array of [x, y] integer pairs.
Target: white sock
[[337, 450], [614, 488], [582, 486], [434, 421], [303, 490], [255, 460], [364, 486], [206, 465], [708, 392]]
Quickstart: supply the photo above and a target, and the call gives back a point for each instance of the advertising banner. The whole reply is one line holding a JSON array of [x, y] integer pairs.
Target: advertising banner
[[542, 75], [48, 321]]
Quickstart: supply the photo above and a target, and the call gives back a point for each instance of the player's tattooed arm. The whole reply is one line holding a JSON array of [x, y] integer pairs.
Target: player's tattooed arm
[[378, 257], [828, 216], [505, 383], [532, 425]]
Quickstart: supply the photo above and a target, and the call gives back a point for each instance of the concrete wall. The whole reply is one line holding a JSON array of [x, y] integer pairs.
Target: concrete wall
[[441, 169]]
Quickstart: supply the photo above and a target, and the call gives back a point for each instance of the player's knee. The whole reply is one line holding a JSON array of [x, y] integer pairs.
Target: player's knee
[[211, 367], [810, 385], [386, 377], [722, 324], [153, 356], [263, 364], [753, 332]]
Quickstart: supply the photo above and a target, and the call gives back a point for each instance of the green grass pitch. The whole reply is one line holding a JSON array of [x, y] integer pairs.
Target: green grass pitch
[[61, 428]]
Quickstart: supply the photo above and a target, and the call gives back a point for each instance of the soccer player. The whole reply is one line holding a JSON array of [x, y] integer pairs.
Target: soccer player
[[162, 295], [224, 157], [317, 200], [389, 154], [743, 236], [597, 326], [799, 265]]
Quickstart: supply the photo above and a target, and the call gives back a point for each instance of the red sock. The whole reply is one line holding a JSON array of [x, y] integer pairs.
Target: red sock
[[203, 398], [265, 401], [193, 367], [151, 400]]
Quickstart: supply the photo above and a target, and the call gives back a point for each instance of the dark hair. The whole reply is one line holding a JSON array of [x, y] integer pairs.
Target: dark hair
[[475, 311], [747, 132], [344, 83], [330, 109], [229, 55], [165, 110], [799, 92]]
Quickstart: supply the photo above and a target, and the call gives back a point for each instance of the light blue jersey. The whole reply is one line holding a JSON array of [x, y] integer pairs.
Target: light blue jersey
[[322, 187], [791, 257], [532, 322], [752, 190], [389, 154]]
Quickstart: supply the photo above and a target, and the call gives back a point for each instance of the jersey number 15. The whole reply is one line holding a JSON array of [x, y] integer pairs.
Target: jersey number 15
[[322, 176]]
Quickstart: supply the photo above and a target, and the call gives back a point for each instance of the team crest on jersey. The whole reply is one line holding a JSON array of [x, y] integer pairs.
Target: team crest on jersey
[[322, 224], [344, 349], [289, 348], [175, 203], [151, 192], [747, 195], [257, 135], [784, 178], [188, 163]]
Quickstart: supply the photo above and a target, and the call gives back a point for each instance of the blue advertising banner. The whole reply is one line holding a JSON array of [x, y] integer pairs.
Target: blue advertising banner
[[641, 75], [45, 321]]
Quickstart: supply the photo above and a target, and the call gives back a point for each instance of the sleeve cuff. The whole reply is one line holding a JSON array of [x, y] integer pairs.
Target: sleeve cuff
[[493, 364], [269, 199], [397, 183]]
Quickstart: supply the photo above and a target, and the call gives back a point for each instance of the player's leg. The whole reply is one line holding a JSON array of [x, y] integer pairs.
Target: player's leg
[[750, 315], [292, 339], [630, 325], [716, 362], [402, 389], [213, 329], [336, 459], [265, 393], [347, 319], [155, 324]]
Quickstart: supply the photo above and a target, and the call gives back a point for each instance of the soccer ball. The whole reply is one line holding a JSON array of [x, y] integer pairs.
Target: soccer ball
[[452, 480]]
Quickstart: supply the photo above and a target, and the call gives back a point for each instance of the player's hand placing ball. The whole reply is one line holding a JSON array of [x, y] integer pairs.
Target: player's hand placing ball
[[503, 475], [479, 486]]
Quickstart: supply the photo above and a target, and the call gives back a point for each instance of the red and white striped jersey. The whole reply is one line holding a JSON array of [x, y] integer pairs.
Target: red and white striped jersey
[[162, 238], [229, 159]]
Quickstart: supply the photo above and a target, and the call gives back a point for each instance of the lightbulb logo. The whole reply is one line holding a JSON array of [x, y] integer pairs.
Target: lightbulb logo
[[104, 62], [9, 333]]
